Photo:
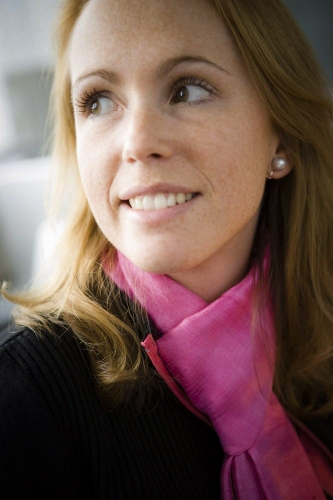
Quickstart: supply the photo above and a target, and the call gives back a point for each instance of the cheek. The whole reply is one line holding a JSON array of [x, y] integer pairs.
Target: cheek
[[245, 187], [96, 171], [96, 184], [236, 162]]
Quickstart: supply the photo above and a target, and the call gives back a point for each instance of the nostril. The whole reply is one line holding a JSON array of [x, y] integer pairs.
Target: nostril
[[156, 155]]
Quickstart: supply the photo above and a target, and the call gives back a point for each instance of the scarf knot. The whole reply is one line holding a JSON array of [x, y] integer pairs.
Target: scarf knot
[[223, 358]]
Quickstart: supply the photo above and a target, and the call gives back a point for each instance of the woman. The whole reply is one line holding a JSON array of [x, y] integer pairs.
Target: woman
[[197, 250]]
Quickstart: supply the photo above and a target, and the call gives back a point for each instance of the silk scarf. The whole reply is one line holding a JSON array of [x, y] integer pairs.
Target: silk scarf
[[226, 370]]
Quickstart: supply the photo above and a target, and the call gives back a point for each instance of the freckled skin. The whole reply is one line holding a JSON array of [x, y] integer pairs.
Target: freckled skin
[[221, 147]]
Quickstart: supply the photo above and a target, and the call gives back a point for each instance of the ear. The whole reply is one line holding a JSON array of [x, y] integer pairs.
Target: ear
[[280, 165]]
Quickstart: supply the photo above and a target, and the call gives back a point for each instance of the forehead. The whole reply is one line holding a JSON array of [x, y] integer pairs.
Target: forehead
[[132, 31]]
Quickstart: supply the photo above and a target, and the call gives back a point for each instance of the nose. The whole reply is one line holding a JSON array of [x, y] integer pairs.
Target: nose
[[146, 136]]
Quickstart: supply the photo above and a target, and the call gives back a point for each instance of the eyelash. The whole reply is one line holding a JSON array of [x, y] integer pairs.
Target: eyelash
[[192, 80], [85, 100]]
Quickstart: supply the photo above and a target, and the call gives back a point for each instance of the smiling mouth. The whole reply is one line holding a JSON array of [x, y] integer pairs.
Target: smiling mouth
[[159, 201]]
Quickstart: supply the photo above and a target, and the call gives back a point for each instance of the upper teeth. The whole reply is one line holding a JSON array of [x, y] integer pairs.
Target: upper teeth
[[159, 201]]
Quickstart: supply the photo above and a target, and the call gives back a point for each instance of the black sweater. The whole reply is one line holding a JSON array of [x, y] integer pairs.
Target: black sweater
[[57, 441]]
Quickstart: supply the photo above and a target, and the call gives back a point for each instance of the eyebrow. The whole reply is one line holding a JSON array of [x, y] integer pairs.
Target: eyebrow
[[171, 63], [110, 76], [162, 71]]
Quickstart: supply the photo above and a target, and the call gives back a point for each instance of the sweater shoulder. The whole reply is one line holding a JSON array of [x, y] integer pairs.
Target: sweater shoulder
[[10, 333], [37, 376], [14, 337], [25, 341], [20, 347], [50, 362]]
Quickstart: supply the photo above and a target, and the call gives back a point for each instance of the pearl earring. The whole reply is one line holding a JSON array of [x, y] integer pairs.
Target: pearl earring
[[278, 164]]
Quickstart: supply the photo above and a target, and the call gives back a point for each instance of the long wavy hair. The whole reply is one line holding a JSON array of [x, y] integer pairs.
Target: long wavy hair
[[296, 216]]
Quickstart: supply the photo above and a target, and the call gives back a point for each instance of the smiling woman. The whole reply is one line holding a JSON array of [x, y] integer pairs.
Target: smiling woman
[[175, 115], [183, 347]]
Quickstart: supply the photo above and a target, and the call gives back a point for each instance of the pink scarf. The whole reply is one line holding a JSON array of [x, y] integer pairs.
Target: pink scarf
[[226, 374]]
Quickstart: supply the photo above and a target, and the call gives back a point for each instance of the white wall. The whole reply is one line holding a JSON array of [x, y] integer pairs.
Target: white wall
[[22, 211], [25, 49]]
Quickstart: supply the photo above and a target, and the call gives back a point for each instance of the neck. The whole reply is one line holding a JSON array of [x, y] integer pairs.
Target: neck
[[222, 271]]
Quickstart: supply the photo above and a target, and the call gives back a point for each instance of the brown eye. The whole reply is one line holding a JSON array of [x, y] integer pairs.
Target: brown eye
[[190, 93], [95, 107], [101, 105], [182, 94]]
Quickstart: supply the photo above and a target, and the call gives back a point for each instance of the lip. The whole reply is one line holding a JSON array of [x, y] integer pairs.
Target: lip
[[156, 217], [152, 190]]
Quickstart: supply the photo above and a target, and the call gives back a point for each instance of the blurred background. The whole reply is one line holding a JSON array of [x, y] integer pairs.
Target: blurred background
[[25, 75], [26, 62]]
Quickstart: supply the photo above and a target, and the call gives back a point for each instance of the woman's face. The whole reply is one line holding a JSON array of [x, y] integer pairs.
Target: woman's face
[[165, 112]]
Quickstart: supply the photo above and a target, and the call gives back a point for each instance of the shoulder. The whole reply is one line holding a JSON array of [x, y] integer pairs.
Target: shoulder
[[9, 334], [28, 349], [13, 336], [19, 353], [33, 364], [47, 363], [37, 372]]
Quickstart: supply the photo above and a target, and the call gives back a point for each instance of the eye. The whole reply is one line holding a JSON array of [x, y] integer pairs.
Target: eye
[[101, 105], [95, 103], [190, 93], [191, 90]]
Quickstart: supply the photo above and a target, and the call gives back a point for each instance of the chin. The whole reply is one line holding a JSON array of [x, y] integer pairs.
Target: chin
[[156, 263]]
